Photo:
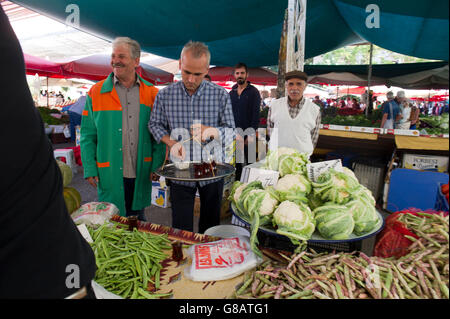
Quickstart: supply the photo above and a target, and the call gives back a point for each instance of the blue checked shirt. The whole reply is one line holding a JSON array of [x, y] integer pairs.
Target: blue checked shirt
[[175, 111]]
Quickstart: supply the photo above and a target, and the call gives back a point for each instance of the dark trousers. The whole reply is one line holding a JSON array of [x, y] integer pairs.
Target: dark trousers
[[128, 186], [240, 166], [183, 199], [75, 119]]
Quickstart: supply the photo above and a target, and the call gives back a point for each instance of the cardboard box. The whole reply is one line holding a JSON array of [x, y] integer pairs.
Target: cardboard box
[[160, 195], [426, 162]]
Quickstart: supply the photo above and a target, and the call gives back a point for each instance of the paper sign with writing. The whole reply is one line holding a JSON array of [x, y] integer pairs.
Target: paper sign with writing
[[220, 254], [315, 169], [267, 177]]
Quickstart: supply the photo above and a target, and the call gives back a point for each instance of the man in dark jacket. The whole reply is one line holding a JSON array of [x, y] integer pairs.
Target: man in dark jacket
[[246, 102], [42, 253]]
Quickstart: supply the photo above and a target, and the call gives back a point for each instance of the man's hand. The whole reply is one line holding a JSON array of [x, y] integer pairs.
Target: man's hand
[[154, 177], [177, 151], [93, 180], [201, 132]]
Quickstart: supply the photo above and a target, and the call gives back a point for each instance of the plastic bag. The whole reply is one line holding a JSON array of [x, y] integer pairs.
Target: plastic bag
[[391, 242], [220, 260], [94, 213]]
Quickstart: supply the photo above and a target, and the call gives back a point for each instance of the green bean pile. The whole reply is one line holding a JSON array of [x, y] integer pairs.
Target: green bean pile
[[422, 274], [127, 261]]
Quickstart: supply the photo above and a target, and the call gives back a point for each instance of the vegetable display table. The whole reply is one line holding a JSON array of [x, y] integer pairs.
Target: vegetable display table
[[172, 275]]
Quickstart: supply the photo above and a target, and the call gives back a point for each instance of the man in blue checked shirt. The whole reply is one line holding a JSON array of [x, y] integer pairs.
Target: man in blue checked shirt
[[194, 118]]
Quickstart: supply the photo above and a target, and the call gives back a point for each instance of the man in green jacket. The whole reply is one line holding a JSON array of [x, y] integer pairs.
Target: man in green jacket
[[117, 150]]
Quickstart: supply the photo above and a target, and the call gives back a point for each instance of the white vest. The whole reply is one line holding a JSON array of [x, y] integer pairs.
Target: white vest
[[293, 132]]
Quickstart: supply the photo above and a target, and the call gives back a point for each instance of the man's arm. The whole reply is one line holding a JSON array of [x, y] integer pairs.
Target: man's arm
[[383, 120], [256, 107], [316, 130]]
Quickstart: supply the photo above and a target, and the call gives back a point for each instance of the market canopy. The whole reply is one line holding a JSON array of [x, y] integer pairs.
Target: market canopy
[[41, 66], [250, 30], [429, 79], [344, 78], [98, 66], [258, 76]]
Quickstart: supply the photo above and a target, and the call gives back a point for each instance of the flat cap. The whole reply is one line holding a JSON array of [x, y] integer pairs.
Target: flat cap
[[297, 75]]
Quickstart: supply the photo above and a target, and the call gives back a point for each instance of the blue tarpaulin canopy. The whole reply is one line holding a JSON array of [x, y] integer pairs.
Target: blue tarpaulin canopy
[[250, 30]]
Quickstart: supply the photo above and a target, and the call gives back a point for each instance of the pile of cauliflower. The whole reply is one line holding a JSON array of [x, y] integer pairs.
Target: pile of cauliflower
[[336, 205]]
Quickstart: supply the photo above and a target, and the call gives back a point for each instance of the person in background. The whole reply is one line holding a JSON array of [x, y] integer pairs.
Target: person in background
[[414, 116], [75, 111], [391, 112], [355, 104], [264, 96], [405, 122], [294, 121], [318, 101], [117, 150], [203, 109], [246, 102], [42, 253]]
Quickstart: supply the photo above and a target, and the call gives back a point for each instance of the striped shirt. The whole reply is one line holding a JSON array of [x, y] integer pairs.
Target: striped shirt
[[175, 111], [129, 99], [293, 112]]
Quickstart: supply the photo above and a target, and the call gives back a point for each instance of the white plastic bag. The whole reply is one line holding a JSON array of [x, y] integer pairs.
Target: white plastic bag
[[220, 260], [94, 213]]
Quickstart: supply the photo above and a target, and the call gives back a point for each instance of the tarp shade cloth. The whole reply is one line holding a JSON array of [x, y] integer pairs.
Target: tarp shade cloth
[[256, 75], [250, 30], [98, 66], [41, 66], [431, 75]]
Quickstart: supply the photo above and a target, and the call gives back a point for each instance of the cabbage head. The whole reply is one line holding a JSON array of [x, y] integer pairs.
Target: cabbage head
[[293, 187], [335, 186], [239, 192], [294, 220], [363, 192], [293, 163], [364, 215], [272, 158], [333, 221]]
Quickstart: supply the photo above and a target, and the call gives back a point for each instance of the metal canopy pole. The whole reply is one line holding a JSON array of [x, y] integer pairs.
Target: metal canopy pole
[[369, 106]]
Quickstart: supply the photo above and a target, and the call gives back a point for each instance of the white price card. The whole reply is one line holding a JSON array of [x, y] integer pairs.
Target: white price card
[[315, 169], [267, 177], [85, 233]]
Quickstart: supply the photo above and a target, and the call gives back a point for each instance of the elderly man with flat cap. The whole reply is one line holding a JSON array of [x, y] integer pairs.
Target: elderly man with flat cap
[[294, 121]]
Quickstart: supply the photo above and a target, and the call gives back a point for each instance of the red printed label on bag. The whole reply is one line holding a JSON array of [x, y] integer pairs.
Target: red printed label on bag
[[221, 254]]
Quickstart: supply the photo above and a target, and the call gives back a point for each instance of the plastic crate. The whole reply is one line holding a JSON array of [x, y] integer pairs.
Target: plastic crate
[[284, 243], [370, 173], [441, 201]]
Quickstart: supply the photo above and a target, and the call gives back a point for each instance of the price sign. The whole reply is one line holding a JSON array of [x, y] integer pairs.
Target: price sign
[[266, 177], [315, 169]]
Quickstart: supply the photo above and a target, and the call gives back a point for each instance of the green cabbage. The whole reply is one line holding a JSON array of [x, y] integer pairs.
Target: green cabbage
[[294, 220], [364, 214], [293, 164], [335, 186], [334, 221], [245, 191], [273, 156]]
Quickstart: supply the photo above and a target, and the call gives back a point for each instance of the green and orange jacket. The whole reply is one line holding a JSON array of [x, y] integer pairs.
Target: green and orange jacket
[[101, 144]]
